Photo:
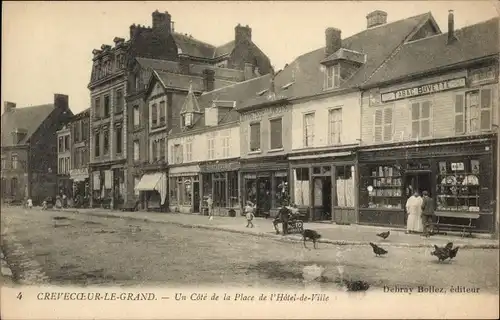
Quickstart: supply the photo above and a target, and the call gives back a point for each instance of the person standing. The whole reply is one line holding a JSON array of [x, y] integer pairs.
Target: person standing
[[210, 204], [249, 213], [414, 210], [427, 212]]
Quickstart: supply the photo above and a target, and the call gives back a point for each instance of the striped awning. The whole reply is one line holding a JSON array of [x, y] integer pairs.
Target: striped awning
[[154, 181]]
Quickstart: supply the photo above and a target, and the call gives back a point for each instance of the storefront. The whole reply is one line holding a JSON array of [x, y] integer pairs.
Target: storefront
[[264, 181], [184, 189], [152, 188], [458, 174], [220, 180], [81, 186], [323, 185], [108, 187]]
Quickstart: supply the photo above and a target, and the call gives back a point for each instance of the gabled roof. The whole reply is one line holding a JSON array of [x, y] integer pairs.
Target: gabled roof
[[378, 43], [225, 49], [190, 104], [27, 118], [420, 56]]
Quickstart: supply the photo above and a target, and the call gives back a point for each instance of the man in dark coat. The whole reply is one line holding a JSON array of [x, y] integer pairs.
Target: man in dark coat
[[427, 212]]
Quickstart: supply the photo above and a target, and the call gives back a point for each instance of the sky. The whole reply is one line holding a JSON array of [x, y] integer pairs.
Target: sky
[[47, 46]]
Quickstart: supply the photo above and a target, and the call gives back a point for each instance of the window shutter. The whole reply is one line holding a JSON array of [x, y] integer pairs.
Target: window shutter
[[425, 122], [459, 114], [378, 125], [388, 124], [486, 107], [415, 120], [276, 134]]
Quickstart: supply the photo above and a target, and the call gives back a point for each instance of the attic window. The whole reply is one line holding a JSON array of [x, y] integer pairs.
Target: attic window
[[188, 119], [260, 93], [332, 77], [286, 86]]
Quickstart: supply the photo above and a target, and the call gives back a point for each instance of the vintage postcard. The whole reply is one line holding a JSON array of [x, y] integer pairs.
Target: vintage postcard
[[250, 160]]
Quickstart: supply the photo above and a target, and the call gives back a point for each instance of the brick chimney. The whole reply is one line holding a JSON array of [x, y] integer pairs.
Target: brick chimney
[[451, 27], [61, 101], [376, 18], [333, 41], [242, 33], [248, 71], [9, 106], [209, 79], [184, 64], [162, 20]]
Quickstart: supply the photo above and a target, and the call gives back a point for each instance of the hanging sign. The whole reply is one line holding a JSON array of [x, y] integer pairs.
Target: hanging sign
[[424, 89]]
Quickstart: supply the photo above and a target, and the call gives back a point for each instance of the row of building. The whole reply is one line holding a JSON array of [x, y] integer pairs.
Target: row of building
[[346, 132]]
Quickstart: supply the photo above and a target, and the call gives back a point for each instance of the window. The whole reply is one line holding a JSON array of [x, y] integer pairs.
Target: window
[[119, 140], [137, 81], [162, 112], [386, 184], [14, 159], [4, 163], [335, 126], [226, 144], [309, 129], [85, 130], [301, 186], [76, 159], [60, 166], [97, 108], [60, 145], [332, 77], [189, 151], [136, 182], [255, 136], [420, 120], [276, 133], [77, 131], [66, 143], [232, 178], [172, 190], [211, 145], [344, 186], [178, 156], [13, 187], [188, 119], [137, 119], [97, 144], [154, 150], [383, 125], [136, 150], [119, 101], [68, 164], [162, 149], [106, 106], [4, 187], [473, 111], [106, 142], [154, 115]]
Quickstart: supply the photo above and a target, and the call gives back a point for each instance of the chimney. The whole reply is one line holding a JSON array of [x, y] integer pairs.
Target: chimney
[[212, 116], [376, 18], [333, 41], [209, 79], [118, 41], [184, 64], [451, 27], [162, 20], [132, 30], [172, 26], [61, 101], [248, 71], [242, 33], [9, 106]]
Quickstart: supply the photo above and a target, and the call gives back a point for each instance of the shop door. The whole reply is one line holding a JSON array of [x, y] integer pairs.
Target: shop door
[[416, 181], [264, 196], [196, 196], [322, 197]]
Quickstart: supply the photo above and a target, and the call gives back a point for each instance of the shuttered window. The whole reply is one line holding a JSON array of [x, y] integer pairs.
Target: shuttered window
[[387, 124], [486, 107], [255, 136], [383, 125], [473, 111], [421, 120], [154, 151], [309, 129], [276, 133], [378, 125], [459, 114]]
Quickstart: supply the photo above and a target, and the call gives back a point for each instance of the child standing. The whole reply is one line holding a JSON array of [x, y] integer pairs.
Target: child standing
[[249, 208]]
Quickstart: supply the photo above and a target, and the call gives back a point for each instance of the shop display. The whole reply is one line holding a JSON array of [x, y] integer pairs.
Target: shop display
[[387, 187], [458, 187]]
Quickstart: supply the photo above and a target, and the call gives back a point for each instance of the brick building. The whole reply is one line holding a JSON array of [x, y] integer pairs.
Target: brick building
[[29, 149]]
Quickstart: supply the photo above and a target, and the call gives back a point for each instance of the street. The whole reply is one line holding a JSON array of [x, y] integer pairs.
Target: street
[[79, 249]]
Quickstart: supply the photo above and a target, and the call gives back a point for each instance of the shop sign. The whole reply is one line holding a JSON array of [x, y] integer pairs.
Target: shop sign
[[220, 167], [457, 166], [259, 114], [79, 172], [424, 89], [482, 75]]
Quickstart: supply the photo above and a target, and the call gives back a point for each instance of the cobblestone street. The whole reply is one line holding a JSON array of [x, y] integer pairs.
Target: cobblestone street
[[65, 248]]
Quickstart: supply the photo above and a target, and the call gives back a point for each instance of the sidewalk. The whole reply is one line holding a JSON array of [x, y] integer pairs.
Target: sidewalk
[[331, 233]]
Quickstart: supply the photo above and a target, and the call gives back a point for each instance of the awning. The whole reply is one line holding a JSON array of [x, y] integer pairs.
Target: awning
[[154, 181], [325, 155]]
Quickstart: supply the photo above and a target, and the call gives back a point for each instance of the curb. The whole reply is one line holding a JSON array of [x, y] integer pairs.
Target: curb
[[292, 238], [5, 269]]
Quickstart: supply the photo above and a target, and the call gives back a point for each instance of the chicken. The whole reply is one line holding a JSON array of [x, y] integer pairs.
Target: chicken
[[357, 285], [384, 235], [453, 253], [449, 246], [441, 253], [378, 250]]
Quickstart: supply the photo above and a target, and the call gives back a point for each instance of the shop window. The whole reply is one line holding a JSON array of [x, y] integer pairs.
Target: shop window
[[344, 186], [173, 189], [251, 188], [107, 106], [301, 186], [186, 191], [335, 126], [232, 180], [458, 185], [381, 187], [309, 129], [421, 120], [219, 189], [276, 133], [281, 190], [119, 101], [189, 151], [383, 125], [207, 184], [255, 136]]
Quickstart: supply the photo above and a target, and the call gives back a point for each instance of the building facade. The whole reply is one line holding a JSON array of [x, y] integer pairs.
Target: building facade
[[80, 155], [431, 125], [64, 162], [29, 149]]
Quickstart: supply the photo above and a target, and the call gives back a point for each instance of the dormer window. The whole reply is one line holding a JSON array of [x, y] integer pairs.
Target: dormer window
[[188, 119], [332, 76]]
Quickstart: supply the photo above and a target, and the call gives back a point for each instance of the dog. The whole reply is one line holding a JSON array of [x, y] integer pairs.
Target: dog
[[312, 235]]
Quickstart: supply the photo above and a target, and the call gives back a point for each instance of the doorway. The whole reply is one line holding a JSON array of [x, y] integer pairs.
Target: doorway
[[322, 198], [196, 196], [417, 181], [264, 196]]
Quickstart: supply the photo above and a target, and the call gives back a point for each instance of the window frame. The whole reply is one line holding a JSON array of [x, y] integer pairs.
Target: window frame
[[278, 118], [189, 151], [331, 125], [383, 125], [250, 125], [97, 144], [119, 102], [118, 143], [305, 132], [137, 150], [420, 119], [107, 110], [154, 115], [332, 77], [105, 138], [136, 113]]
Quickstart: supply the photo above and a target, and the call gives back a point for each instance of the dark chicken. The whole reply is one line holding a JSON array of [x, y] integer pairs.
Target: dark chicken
[[357, 285], [453, 253], [449, 246], [378, 250], [441, 253], [384, 235]]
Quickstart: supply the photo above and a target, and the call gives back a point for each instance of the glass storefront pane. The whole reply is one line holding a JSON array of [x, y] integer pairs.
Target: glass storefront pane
[[381, 186], [172, 187], [251, 190], [281, 194], [344, 186], [301, 187], [187, 191], [232, 179]]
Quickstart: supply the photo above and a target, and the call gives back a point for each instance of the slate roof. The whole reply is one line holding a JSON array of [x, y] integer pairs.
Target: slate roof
[[196, 48], [27, 118], [237, 92], [182, 81], [475, 41], [378, 43], [190, 102]]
